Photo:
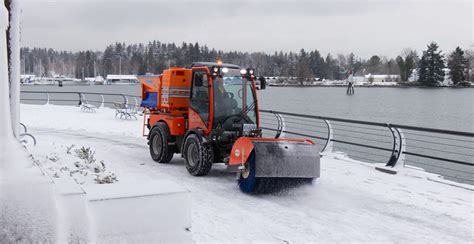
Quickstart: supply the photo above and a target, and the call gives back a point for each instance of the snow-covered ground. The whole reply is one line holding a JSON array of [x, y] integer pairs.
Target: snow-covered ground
[[351, 202]]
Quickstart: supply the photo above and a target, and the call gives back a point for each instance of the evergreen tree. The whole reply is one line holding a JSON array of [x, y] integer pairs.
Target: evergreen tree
[[373, 66], [457, 65], [329, 66], [431, 65], [406, 64], [302, 71], [316, 64]]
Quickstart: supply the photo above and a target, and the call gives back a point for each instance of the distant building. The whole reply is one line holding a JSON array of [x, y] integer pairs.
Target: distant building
[[99, 80], [121, 80], [382, 78]]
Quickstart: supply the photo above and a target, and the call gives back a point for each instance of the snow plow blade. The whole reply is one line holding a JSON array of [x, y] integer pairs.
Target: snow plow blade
[[268, 165], [286, 159]]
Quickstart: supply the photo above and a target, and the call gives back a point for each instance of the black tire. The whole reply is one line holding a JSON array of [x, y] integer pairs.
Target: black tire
[[160, 151], [198, 157]]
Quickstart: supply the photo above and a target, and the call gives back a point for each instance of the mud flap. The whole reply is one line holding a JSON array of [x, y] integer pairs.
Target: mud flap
[[286, 159]]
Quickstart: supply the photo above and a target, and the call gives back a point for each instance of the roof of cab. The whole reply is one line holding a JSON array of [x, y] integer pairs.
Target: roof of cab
[[211, 64]]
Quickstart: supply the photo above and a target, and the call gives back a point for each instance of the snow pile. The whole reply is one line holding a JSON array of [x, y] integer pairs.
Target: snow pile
[[27, 205], [78, 163]]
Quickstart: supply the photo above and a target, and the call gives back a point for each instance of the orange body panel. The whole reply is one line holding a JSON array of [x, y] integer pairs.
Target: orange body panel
[[195, 121], [176, 88], [177, 125], [173, 88], [244, 148]]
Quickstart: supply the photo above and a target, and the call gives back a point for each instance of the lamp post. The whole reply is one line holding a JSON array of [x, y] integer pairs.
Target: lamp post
[[120, 67]]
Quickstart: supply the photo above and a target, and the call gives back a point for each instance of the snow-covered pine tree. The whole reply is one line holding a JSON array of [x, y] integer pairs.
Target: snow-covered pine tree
[[431, 65], [457, 65]]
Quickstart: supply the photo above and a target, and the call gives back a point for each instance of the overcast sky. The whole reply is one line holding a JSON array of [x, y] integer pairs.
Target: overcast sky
[[360, 26]]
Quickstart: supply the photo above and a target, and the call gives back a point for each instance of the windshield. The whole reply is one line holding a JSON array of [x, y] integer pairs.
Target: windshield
[[232, 95]]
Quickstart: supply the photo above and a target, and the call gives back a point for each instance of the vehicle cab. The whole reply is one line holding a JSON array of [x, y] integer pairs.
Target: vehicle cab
[[223, 104]]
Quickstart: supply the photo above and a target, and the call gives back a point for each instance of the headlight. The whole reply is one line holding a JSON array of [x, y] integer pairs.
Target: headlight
[[225, 70], [243, 71], [237, 152], [251, 71], [216, 69]]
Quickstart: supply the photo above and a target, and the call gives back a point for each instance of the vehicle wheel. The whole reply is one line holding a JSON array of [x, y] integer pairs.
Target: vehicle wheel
[[160, 151], [199, 157]]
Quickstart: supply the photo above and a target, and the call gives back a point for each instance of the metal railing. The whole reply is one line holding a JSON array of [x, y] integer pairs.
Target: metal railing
[[78, 98], [446, 152]]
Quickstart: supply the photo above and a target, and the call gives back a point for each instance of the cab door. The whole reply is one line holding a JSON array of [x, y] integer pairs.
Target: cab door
[[199, 103]]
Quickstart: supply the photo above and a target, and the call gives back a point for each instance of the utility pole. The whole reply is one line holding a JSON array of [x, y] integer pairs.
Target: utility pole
[[120, 67], [83, 73]]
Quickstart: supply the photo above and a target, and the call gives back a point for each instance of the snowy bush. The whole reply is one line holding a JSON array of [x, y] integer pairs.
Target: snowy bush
[[80, 164]]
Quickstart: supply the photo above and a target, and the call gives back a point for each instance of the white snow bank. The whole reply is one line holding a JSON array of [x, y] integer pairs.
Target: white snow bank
[[140, 213], [27, 206], [136, 209], [351, 202]]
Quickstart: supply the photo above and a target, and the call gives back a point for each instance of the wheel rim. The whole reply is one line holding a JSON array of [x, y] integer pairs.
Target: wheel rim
[[246, 171], [193, 154], [157, 145]]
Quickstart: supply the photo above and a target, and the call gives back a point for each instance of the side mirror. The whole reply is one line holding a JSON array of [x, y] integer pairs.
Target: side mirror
[[263, 83]]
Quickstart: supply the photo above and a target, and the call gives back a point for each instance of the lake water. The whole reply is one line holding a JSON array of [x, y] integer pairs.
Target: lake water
[[441, 108], [444, 108]]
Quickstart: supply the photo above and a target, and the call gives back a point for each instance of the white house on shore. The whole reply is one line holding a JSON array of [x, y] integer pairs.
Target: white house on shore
[[382, 78], [121, 80], [379, 80]]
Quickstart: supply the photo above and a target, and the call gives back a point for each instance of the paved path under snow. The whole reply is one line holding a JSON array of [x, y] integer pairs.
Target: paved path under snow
[[350, 202]]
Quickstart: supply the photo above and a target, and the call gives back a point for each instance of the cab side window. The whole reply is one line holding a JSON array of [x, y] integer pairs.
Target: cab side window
[[200, 95]]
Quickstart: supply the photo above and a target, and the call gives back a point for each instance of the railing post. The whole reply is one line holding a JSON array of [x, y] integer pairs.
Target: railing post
[[47, 98], [125, 100], [401, 148], [281, 125], [329, 143], [136, 101], [394, 156], [397, 157], [80, 99], [102, 101]]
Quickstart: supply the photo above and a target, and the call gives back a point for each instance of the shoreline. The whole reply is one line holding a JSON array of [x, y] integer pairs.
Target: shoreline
[[299, 86], [373, 86]]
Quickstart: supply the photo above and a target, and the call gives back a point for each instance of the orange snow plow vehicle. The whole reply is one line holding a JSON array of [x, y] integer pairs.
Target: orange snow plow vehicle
[[209, 113]]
